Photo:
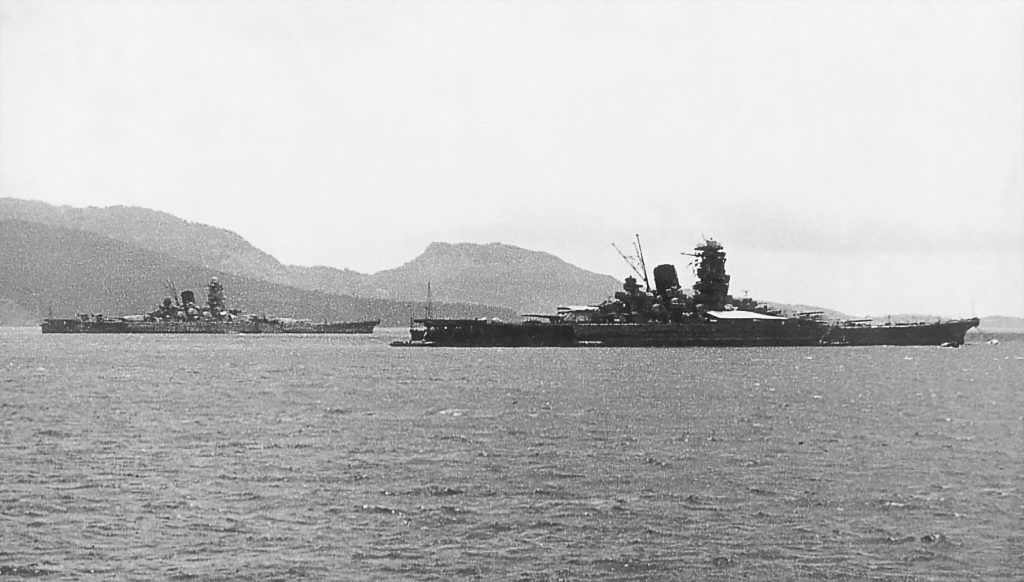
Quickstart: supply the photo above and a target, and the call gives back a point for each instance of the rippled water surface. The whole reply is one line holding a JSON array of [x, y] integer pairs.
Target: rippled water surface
[[326, 458]]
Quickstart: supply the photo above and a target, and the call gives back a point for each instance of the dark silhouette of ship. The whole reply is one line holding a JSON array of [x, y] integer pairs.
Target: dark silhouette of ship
[[669, 316], [185, 315]]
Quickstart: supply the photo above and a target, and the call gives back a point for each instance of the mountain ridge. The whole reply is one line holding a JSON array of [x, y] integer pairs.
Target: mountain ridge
[[495, 279], [519, 279], [51, 270], [538, 281]]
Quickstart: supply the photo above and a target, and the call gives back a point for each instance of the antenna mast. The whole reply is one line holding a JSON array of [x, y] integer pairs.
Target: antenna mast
[[636, 263], [629, 261], [643, 265], [172, 290]]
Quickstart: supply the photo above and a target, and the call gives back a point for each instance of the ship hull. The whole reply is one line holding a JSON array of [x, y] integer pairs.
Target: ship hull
[[116, 326], [943, 333], [694, 334], [353, 327], [721, 333], [482, 333], [205, 327], [788, 332]]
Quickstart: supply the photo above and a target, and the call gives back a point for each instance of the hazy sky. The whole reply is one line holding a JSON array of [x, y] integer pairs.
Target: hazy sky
[[866, 156]]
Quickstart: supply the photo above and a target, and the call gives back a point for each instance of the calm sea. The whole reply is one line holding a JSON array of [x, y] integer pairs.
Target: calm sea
[[340, 458]]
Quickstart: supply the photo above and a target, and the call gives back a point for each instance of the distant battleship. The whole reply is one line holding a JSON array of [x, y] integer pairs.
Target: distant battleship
[[670, 317], [184, 315]]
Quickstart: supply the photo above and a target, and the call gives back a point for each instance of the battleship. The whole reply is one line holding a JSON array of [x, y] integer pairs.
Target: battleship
[[669, 316], [184, 315]]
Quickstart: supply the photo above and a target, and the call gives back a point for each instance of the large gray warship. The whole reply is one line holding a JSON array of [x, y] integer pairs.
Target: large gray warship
[[669, 316], [184, 315]]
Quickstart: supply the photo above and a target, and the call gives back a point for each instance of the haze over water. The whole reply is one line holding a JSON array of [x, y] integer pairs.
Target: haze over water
[[324, 458]]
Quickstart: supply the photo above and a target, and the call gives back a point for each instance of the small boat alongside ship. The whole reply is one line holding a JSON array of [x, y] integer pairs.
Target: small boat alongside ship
[[184, 315], [668, 316]]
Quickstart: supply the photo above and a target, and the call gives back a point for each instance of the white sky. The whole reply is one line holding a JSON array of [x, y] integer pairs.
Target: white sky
[[865, 156]]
